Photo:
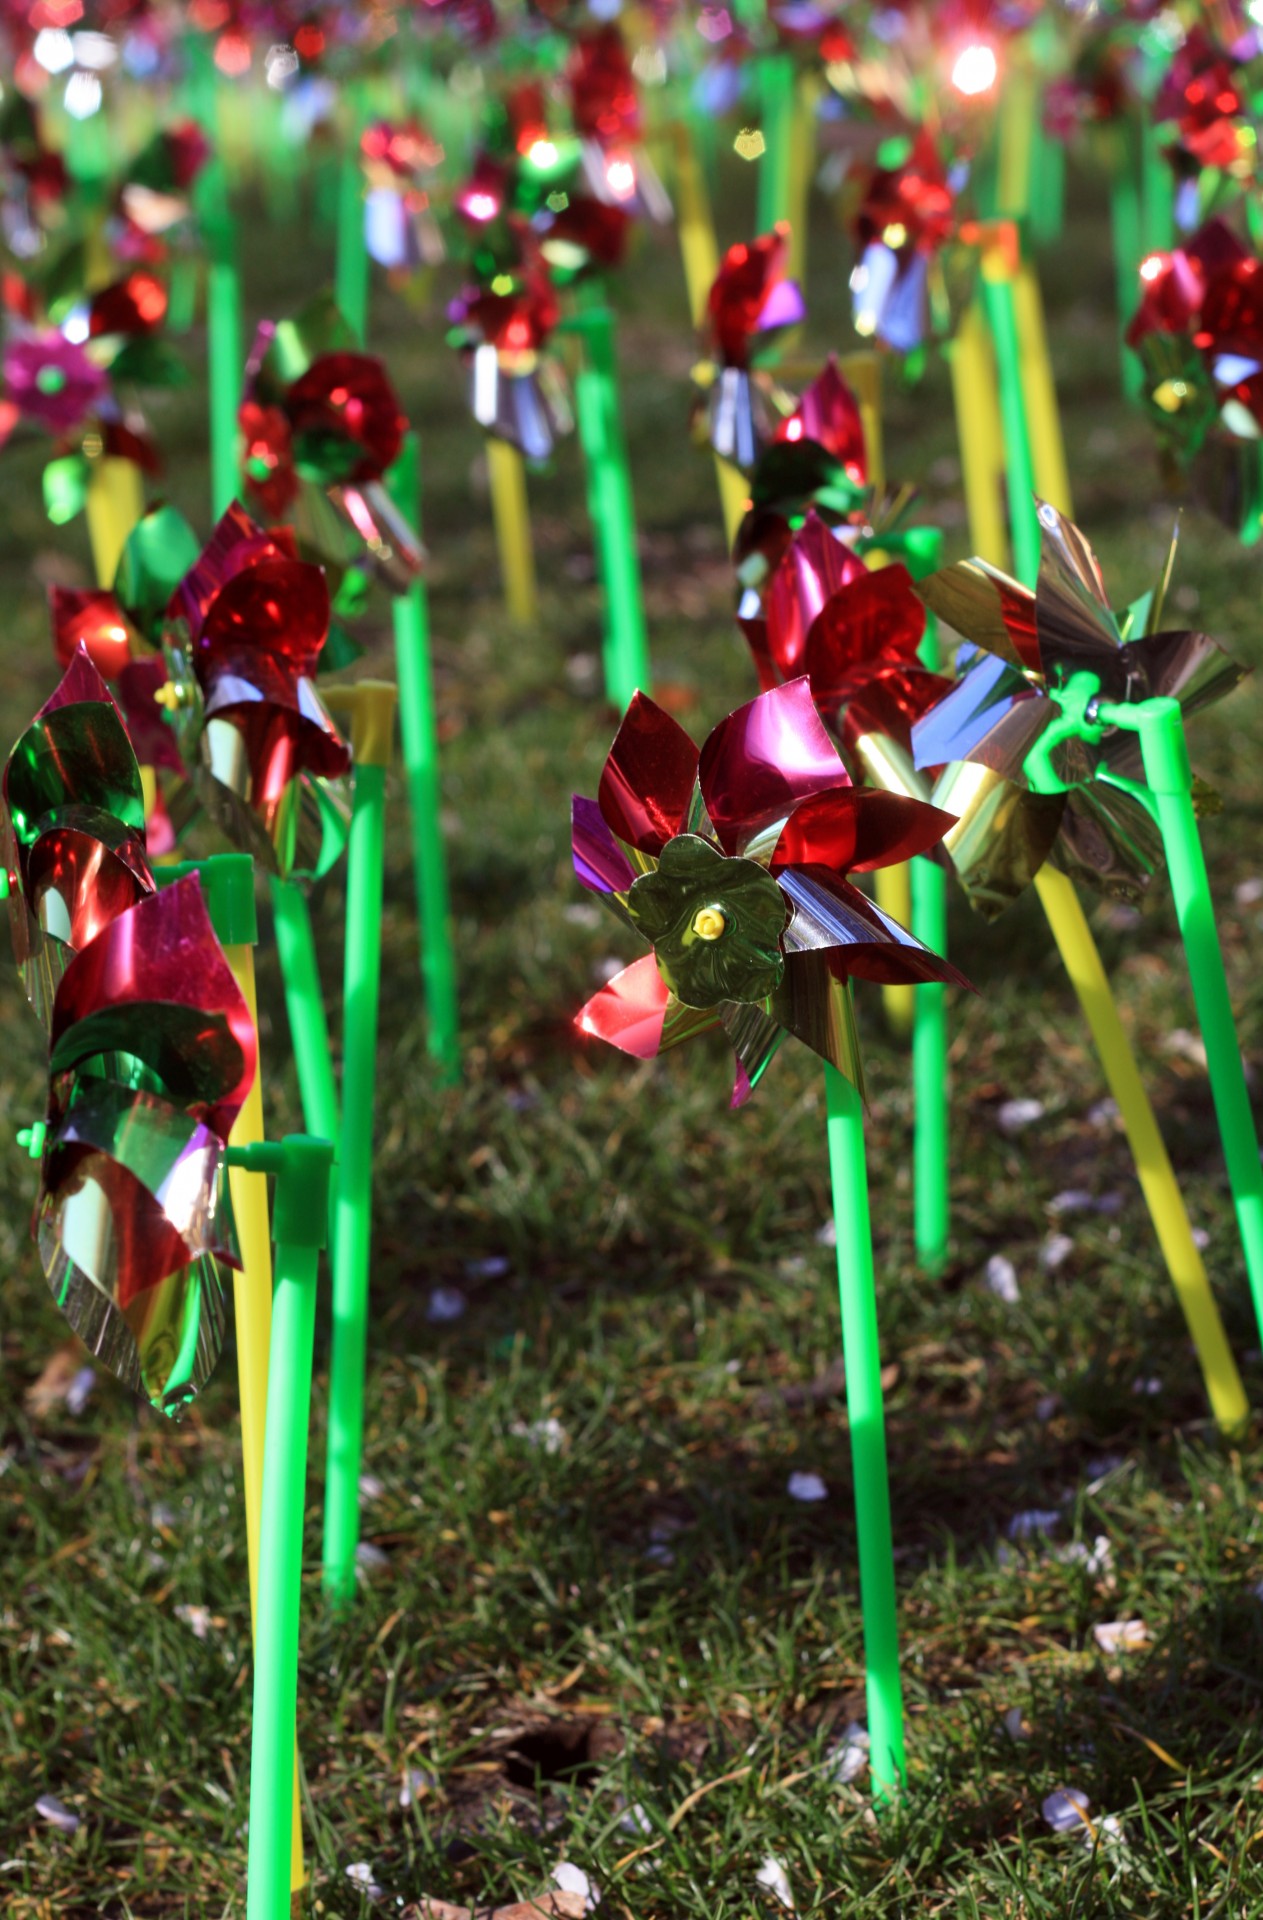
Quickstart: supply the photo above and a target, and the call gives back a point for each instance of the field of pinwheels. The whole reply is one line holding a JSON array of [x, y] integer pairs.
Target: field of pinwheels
[[607, 1633]]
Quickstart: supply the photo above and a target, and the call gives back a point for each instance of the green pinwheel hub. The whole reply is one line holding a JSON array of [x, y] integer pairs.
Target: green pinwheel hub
[[715, 923]]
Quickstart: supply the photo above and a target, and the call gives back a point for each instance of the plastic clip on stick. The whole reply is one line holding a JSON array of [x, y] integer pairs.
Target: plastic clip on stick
[[228, 885], [301, 1166], [418, 727], [866, 1417], [611, 506], [372, 705]]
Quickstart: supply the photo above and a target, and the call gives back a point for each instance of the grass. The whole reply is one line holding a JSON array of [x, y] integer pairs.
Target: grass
[[615, 1638]]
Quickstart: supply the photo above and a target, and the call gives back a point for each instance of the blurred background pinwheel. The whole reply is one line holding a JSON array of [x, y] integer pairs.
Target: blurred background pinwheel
[[320, 425]]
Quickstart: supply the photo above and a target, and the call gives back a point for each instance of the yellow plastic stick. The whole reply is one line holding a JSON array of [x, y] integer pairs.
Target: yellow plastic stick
[[698, 247], [1019, 111], [801, 168], [862, 373], [513, 529], [1153, 1166], [894, 896], [116, 500], [979, 434], [252, 1303], [1048, 450]]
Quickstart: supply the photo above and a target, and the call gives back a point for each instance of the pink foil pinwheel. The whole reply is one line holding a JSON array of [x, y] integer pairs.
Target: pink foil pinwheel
[[733, 862]]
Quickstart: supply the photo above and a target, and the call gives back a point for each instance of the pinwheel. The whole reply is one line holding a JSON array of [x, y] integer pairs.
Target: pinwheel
[[245, 630], [517, 390], [906, 215], [816, 460], [74, 830], [1094, 828], [320, 424], [400, 230], [1198, 331], [751, 306], [733, 864], [152, 1053], [1204, 99], [153, 1066], [1054, 721], [122, 629]]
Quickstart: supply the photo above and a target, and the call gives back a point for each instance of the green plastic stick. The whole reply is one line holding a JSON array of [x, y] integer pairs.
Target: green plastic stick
[[776, 163], [351, 272], [867, 1419], [922, 549], [929, 1074], [301, 1210], [419, 730], [223, 283], [353, 1210], [610, 503], [1127, 228], [997, 292], [305, 1006], [1170, 780]]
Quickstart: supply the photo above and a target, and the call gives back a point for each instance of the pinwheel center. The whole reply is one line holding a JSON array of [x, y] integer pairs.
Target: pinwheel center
[[710, 923], [51, 379]]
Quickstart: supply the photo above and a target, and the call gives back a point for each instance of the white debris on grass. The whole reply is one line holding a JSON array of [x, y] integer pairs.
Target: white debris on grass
[[371, 1488], [1055, 1251], [197, 1619], [446, 1304], [1001, 1278], [1120, 1636], [806, 1486], [1014, 1724], [415, 1782], [549, 1436], [1066, 1810], [1012, 1116], [850, 1757], [360, 1874], [79, 1392], [50, 1808], [370, 1560], [1095, 1559], [773, 1876], [567, 1878], [1032, 1521]]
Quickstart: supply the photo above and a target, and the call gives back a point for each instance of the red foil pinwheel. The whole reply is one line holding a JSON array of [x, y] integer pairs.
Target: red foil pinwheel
[[517, 390], [1199, 333], [733, 863], [905, 217], [751, 306], [151, 1055], [74, 829], [247, 624], [320, 425], [400, 230], [856, 634]]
